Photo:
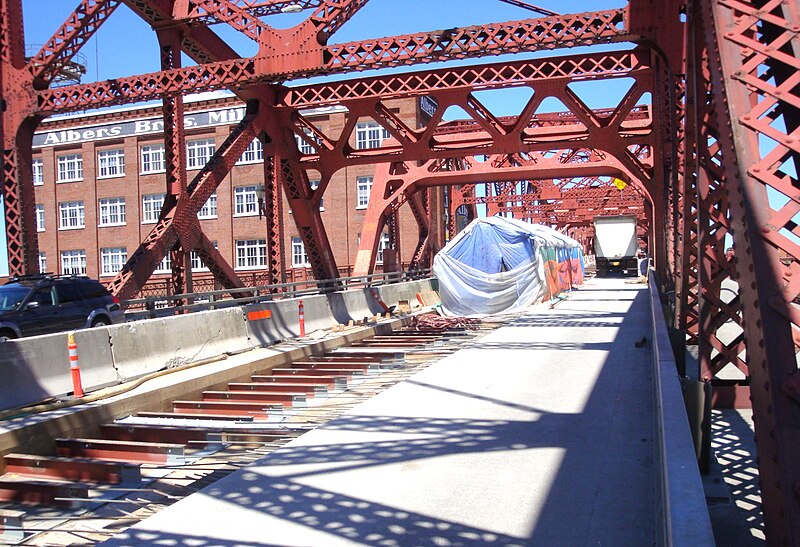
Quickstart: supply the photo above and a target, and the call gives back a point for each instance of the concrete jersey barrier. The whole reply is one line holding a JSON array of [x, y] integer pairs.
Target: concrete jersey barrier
[[36, 368]]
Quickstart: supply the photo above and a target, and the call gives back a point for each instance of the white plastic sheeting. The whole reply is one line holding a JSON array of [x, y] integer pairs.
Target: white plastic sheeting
[[500, 265]]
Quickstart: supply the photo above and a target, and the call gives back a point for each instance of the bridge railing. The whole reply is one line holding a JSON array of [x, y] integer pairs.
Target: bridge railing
[[165, 305], [682, 511]]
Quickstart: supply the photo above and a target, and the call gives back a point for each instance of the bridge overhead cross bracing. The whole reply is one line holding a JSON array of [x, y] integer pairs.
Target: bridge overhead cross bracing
[[722, 78]]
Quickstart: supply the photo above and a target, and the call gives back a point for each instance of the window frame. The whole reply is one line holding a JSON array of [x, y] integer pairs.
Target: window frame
[[62, 167], [80, 255], [366, 141], [260, 246], [40, 222], [244, 192], [117, 154], [365, 181], [119, 203], [154, 149], [110, 257], [148, 210], [80, 216], [299, 254], [195, 150], [37, 170]]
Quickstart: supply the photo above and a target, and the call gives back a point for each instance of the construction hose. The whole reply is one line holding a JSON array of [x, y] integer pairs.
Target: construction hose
[[104, 393]]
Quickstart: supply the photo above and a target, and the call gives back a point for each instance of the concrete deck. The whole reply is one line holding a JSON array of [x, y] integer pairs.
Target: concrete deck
[[540, 433]]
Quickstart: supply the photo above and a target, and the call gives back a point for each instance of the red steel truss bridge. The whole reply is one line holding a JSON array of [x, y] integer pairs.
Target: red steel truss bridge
[[707, 140]]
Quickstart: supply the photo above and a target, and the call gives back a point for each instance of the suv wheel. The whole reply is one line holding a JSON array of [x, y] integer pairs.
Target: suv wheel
[[100, 322], [7, 335]]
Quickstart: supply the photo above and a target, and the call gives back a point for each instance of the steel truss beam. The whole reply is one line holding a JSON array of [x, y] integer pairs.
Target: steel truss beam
[[395, 184], [746, 81]]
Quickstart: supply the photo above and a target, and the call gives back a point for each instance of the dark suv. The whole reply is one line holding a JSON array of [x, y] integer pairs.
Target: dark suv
[[43, 304]]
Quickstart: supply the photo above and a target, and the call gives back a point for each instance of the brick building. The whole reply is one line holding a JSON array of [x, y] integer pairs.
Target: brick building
[[100, 182]]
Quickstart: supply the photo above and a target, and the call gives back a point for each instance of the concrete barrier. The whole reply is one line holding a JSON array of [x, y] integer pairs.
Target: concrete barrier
[[353, 305], [142, 347], [682, 514], [283, 320], [393, 294], [37, 368]]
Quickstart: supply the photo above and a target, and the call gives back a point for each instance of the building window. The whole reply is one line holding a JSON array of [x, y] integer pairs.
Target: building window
[[254, 153], [37, 167], [112, 212], [151, 207], [153, 158], [112, 259], [363, 188], [110, 163], [246, 200], [70, 168], [209, 208], [382, 244], [70, 215], [39, 217], [370, 135], [299, 256], [165, 266], [251, 254], [42, 262], [73, 262], [199, 152]]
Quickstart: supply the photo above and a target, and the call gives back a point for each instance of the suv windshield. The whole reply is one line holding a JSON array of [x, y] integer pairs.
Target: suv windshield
[[11, 296]]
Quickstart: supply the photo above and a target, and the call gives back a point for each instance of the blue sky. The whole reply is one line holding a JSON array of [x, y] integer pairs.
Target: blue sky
[[125, 45]]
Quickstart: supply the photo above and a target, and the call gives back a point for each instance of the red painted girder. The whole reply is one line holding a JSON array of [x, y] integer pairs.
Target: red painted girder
[[226, 11], [194, 416], [332, 14], [235, 73], [258, 411], [738, 49], [71, 469], [69, 38], [323, 380], [341, 371], [487, 76], [305, 388], [329, 16], [258, 8], [164, 235], [549, 119], [121, 451], [416, 177], [41, 493], [489, 39]]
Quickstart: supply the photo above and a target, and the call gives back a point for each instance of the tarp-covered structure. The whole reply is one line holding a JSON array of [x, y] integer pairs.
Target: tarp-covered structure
[[498, 265]]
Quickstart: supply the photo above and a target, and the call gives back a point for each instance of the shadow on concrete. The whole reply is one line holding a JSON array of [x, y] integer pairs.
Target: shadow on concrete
[[560, 320], [138, 537], [603, 492], [734, 447]]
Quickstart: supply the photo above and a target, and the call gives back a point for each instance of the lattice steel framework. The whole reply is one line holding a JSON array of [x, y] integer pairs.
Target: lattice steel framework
[[714, 155]]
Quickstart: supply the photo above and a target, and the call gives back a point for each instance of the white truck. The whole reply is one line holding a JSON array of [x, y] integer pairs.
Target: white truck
[[615, 244]]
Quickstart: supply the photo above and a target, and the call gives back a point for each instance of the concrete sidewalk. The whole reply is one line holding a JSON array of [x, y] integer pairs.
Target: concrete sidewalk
[[540, 433]]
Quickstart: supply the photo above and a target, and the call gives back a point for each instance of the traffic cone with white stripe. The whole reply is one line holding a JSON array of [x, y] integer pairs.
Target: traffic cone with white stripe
[[77, 388]]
